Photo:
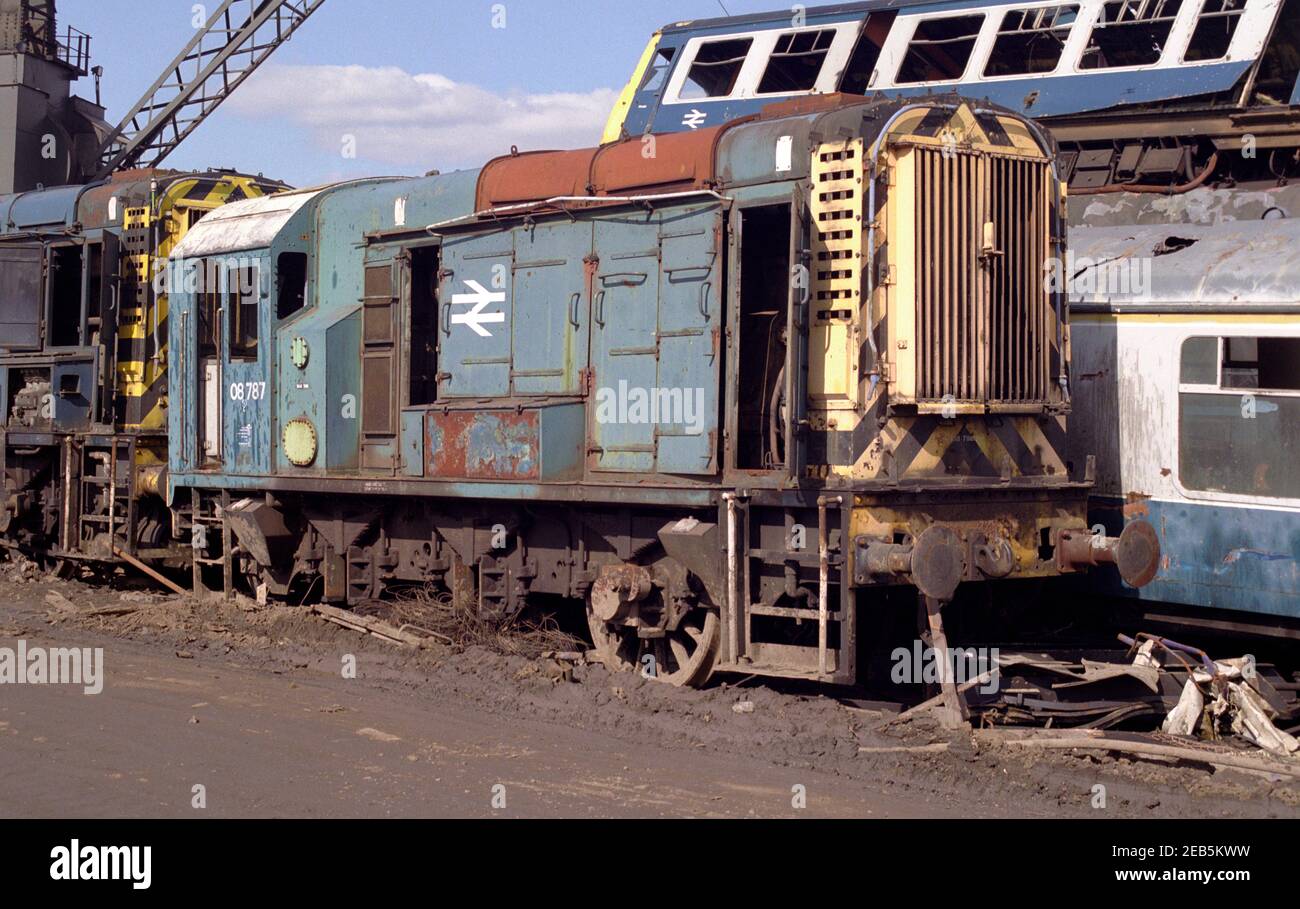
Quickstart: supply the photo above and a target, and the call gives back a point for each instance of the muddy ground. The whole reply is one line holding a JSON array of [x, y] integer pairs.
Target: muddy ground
[[251, 703]]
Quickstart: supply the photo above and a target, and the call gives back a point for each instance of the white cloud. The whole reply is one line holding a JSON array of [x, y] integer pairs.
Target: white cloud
[[419, 121]]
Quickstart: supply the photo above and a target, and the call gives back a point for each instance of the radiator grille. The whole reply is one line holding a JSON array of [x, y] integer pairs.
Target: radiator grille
[[984, 320]]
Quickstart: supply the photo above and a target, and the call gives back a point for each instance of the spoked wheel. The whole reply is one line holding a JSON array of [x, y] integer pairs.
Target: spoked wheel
[[684, 657]]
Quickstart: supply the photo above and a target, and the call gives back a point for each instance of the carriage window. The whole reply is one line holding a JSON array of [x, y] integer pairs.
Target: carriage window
[[1243, 437], [658, 70], [1279, 68], [1262, 364], [716, 68], [242, 298], [796, 62], [1031, 41], [1214, 29], [862, 65], [1200, 361], [940, 50], [1130, 33]]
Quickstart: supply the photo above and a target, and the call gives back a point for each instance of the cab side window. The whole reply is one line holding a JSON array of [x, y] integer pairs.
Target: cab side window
[[716, 68], [243, 296]]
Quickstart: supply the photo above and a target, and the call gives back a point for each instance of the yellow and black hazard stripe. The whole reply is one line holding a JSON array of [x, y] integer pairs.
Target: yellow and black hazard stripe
[[931, 447], [997, 446], [150, 235]]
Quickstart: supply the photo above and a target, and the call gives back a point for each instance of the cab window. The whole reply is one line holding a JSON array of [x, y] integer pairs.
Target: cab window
[[715, 69], [243, 298]]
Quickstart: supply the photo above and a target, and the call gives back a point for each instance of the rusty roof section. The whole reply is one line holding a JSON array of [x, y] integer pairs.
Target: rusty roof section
[[676, 162], [641, 165], [534, 176]]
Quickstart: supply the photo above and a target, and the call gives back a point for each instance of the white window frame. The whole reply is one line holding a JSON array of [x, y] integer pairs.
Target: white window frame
[[1226, 58], [1222, 332], [989, 39], [1171, 55], [900, 38], [1247, 44], [755, 65]]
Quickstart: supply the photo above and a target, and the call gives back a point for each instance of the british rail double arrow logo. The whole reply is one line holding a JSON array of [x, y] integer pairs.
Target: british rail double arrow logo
[[476, 318]]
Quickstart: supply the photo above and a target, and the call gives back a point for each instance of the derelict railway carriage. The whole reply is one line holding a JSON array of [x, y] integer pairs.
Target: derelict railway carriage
[[83, 360], [723, 386]]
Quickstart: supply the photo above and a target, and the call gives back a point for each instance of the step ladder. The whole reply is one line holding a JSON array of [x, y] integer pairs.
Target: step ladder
[[112, 486], [739, 651], [209, 532]]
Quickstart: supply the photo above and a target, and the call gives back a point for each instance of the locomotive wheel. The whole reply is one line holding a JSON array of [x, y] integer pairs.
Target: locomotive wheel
[[683, 658]]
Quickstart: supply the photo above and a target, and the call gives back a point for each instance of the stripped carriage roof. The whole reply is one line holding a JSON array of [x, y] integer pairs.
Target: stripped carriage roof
[[1232, 266]]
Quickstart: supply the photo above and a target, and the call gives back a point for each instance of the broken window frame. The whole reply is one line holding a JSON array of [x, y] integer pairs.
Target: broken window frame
[[1196, 387], [1131, 13], [690, 89], [660, 68], [914, 43], [865, 47], [1039, 29], [823, 43], [1205, 17]]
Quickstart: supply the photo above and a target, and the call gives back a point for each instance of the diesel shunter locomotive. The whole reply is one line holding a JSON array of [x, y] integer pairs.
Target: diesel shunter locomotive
[[83, 360], [724, 387]]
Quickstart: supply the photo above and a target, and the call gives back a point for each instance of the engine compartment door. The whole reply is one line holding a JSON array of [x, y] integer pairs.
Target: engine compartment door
[[20, 296]]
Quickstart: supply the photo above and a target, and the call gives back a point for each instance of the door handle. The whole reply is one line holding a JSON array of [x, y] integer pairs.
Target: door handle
[[445, 319], [573, 309], [705, 290], [600, 309]]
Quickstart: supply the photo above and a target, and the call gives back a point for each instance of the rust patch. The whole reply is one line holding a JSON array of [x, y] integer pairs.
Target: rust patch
[[1135, 505], [483, 446]]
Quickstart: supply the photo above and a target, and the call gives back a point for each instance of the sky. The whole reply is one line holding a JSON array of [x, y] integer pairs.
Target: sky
[[394, 87]]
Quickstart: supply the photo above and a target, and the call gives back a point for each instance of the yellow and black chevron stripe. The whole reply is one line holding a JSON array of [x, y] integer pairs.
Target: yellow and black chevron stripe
[[150, 234], [926, 447]]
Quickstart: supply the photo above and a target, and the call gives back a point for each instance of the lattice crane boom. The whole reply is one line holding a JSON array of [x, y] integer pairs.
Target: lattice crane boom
[[237, 39]]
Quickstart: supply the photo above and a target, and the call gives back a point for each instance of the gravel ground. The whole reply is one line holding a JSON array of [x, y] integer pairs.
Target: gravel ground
[[253, 704]]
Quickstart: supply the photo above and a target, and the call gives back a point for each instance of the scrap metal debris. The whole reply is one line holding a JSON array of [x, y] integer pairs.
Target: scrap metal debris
[[1120, 743], [1158, 686]]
